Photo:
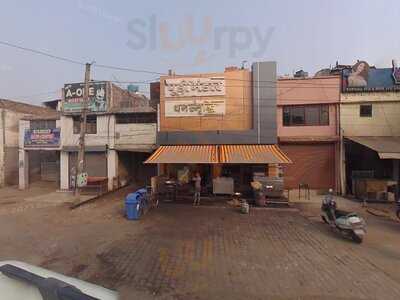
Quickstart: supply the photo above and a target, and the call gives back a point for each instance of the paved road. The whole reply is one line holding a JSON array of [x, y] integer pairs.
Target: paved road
[[185, 252], [209, 253]]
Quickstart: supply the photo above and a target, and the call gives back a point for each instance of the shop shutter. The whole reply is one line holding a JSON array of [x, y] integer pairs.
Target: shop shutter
[[49, 166], [95, 163], [312, 164], [50, 171]]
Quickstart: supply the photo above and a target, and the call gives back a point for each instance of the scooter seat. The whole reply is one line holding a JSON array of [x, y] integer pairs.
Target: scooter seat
[[341, 213]]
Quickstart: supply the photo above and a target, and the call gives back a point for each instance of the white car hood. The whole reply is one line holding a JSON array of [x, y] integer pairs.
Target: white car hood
[[13, 289]]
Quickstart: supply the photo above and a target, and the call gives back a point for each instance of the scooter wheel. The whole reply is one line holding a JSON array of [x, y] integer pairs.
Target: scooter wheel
[[324, 219], [356, 238]]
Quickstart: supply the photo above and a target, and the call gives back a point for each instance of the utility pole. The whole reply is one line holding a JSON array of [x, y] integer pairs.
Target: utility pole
[[81, 154]]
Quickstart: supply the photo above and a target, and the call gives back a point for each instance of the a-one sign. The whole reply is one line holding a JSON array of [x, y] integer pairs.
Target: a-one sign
[[194, 108], [187, 87], [46, 138], [73, 97]]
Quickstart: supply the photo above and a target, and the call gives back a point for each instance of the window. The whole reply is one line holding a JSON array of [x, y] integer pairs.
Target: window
[[297, 116], [324, 117], [313, 115], [42, 124], [306, 115], [91, 124], [130, 118], [286, 116], [366, 110]]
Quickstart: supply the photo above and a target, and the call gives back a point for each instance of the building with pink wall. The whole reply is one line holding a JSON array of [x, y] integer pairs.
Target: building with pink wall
[[308, 130]]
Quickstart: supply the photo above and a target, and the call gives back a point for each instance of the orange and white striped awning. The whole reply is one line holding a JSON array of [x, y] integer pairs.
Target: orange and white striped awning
[[252, 154], [224, 154], [184, 154]]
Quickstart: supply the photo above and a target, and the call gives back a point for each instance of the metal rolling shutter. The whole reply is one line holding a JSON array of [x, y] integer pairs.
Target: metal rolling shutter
[[50, 171], [50, 166], [312, 164], [95, 163]]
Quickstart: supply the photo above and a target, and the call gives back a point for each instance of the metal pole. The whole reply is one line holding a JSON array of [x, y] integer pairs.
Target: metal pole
[[81, 154], [258, 104]]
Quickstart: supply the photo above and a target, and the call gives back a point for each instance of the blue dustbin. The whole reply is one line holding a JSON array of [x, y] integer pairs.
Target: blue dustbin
[[132, 206]]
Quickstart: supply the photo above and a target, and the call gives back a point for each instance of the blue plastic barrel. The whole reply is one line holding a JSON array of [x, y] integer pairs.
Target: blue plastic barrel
[[132, 206]]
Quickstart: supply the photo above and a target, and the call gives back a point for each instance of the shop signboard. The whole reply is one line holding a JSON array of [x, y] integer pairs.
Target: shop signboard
[[363, 78], [194, 87], [358, 76], [194, 107], [46, 138], [73, 97], [396, 72]]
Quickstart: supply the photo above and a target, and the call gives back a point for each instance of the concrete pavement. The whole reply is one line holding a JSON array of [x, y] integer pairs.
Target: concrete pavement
[[184, 252]]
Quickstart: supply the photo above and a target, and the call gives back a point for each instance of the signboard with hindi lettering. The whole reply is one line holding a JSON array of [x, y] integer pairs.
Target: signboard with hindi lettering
[[195, 108], [189, 87], [46, 138]]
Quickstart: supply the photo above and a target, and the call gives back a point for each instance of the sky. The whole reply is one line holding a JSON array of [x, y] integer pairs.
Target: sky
[[185, 36]]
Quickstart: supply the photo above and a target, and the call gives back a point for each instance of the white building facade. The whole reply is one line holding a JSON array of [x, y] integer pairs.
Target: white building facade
[[120, 134]]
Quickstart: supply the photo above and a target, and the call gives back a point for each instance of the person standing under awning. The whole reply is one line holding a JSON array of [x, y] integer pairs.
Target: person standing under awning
[[197, 188]]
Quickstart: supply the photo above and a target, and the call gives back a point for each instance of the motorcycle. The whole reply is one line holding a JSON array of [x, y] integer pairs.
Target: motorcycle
[[349, 225]]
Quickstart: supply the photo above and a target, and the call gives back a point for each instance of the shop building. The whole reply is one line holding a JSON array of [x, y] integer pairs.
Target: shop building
[[308, 130], [120, 135], [39, 149], [10, 114], [369, 116], [220, 124]]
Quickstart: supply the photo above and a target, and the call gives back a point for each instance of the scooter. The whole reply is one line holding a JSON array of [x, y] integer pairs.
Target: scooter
[[349, 225]]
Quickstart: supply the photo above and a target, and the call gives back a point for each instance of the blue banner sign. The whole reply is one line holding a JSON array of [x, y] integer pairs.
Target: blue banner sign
[[48, 138]]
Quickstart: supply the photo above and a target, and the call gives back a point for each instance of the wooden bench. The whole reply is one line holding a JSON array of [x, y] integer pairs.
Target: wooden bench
[[95, 185]]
